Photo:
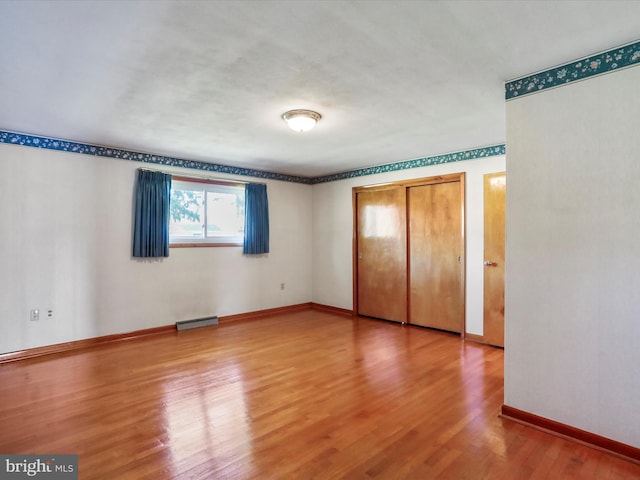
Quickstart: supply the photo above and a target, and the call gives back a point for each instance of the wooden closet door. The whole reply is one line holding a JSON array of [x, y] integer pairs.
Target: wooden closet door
[[435, 256], [382, 254]]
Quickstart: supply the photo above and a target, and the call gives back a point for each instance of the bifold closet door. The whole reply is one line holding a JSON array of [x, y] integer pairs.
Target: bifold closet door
[[382, 253], [435, 256]]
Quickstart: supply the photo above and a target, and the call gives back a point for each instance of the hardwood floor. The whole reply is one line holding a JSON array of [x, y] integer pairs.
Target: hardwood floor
[[297, 396]]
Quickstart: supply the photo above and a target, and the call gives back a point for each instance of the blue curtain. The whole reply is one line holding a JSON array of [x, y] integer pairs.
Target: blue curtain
[[256, 219], [151, 227]]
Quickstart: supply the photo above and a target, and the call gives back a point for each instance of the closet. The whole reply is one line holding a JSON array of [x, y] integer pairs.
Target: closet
[[409, 252]]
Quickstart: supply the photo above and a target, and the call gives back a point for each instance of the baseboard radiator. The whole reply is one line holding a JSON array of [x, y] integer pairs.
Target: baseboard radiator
[[196, 322]]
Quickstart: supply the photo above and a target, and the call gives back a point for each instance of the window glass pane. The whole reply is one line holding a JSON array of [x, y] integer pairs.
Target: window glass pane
[[225, 213], [187, 214], [206, 213]]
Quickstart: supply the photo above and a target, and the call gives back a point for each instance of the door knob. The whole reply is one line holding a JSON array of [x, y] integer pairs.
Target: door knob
[[488, 263]]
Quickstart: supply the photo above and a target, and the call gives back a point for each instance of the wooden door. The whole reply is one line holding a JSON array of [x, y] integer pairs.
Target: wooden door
[[494, 219], [435, 256], [382, 253]]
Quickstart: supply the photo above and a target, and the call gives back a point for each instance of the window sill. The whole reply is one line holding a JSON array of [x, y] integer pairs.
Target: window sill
[[197, 245]]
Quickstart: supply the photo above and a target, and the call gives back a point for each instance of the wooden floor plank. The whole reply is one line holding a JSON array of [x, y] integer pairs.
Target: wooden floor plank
[[306, 395]]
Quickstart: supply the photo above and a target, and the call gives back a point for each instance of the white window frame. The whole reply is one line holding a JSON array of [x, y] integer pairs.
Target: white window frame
[[204, 185]]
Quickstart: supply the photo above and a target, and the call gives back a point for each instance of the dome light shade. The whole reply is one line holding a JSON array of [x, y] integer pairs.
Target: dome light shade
[[301, 120]]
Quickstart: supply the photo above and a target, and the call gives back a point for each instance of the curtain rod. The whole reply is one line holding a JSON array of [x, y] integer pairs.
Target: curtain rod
[[203, 177]]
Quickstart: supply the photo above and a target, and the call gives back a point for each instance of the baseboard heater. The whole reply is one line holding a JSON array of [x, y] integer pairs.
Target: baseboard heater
[[196, 322]]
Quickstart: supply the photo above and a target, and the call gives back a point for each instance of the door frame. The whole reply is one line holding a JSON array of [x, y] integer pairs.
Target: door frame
[[406, 184]]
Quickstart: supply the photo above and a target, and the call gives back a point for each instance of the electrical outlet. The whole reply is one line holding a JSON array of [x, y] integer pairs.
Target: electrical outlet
[[50, 313], [282, 286], [34, 316]]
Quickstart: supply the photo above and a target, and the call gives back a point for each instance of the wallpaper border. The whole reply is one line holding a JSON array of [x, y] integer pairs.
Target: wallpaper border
[[472, 154], [35, 141], [598, 64], [111, 152]]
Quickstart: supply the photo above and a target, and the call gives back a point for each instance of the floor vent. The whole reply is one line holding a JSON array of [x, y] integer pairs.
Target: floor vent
[[196, 322]]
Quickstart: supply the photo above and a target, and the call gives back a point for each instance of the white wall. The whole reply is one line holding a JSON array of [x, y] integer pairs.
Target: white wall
[[333, 233], [66, 244], [573, 264]]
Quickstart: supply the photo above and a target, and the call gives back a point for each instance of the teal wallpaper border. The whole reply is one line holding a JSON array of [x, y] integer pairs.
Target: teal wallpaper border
[[616, 59], [48, 143], [87, 149], [472, 154]]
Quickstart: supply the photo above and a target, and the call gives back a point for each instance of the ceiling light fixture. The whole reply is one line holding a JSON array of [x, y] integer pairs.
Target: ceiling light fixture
[[301, 120]]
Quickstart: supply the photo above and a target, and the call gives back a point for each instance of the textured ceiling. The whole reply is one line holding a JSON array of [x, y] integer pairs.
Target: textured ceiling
[[209, 80]]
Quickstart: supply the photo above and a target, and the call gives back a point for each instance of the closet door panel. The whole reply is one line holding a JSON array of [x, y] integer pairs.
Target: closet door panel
[[435, 256], [382, 254]]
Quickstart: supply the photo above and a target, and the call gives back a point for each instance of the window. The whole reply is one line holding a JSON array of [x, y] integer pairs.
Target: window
[[206, 213]]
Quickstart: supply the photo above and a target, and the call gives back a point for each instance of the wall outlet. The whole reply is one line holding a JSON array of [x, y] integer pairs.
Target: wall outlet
[[282, 286], [50, 313], [34, 315]]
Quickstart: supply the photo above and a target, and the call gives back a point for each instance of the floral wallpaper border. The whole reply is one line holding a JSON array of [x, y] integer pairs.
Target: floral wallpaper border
[[483, 152], [616, 59], [35, 141], [87, 149]]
